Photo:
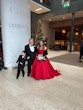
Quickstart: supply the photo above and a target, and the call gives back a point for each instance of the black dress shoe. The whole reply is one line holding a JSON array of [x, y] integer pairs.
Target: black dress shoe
[[24, 75], [28, 75]]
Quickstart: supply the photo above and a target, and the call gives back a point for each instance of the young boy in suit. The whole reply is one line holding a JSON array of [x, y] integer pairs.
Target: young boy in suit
[[21, 63]]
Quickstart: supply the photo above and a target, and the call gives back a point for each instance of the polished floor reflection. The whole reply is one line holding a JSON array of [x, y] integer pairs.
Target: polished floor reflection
[[60, 93]]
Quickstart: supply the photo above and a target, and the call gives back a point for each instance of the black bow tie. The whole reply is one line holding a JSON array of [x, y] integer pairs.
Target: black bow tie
[[32, 45]]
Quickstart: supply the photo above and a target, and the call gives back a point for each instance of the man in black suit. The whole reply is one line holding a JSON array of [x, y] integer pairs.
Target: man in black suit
[[30, 51], [81, 50]]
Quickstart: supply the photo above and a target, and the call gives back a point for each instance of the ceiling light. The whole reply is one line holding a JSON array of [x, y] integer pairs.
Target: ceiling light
[[63, 17], [63, 31], [76, 34], [49, 19], [38, 9]]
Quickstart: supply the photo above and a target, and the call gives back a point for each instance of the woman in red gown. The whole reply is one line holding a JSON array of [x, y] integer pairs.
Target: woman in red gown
[[41, 68]]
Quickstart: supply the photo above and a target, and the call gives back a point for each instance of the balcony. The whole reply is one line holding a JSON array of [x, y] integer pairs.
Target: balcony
[[45, 3], [40, 6]]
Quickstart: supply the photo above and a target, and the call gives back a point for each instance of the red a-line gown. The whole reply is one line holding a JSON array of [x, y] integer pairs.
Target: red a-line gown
[[43, 69]]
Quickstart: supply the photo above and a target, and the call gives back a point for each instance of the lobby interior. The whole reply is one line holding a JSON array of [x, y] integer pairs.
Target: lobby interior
[[54, 23]]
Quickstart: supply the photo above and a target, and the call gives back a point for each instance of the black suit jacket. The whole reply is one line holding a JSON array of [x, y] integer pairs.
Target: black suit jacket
[[21, 62], [29, 53]]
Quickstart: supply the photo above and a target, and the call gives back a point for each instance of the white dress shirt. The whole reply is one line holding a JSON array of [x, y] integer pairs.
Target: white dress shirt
[[31, 48]]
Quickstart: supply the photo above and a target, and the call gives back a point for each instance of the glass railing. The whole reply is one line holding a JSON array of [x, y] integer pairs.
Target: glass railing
[[45, 3]]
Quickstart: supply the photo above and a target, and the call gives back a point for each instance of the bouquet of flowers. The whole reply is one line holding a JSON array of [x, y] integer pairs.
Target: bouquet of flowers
[[41, 57]]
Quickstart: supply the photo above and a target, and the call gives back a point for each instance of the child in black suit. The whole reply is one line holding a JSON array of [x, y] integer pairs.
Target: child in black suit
[[21, 63]]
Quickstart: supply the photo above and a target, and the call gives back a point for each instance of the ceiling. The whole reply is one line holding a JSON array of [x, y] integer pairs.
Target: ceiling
[[38, 8], [78, 14], [52, 18], [34, 6]]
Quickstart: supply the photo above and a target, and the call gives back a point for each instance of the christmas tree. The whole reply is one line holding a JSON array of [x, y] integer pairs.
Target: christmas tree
[[39, 33]]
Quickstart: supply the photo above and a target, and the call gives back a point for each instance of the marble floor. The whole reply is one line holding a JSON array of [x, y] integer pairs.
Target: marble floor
[[60, 93]]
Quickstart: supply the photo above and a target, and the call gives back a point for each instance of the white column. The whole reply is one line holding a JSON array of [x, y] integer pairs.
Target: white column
[[16, 30]]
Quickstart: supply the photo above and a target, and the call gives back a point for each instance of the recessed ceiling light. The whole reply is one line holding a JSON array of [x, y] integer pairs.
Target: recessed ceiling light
[[49, 19], [38, 9], [63, 17]]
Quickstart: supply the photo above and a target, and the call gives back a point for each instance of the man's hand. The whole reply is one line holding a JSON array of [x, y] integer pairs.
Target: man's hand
[[28, 57]]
